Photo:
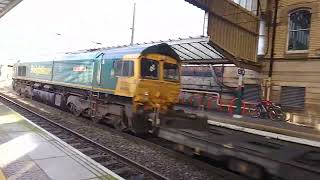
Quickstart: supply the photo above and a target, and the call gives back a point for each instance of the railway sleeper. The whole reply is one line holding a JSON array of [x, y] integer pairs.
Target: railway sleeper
[[67, 138], [97, 155], [105, 163], [85, 149]]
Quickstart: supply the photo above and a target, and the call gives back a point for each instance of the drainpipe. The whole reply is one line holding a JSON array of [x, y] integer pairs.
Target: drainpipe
[[274, 26]]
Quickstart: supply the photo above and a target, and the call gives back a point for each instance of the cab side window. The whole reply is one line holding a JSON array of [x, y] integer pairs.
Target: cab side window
[[123, 68]]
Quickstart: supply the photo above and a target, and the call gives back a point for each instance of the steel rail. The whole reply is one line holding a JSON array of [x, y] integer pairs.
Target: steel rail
[[116, 155]]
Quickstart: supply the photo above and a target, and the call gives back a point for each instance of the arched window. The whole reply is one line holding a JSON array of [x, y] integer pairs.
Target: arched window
[[299, 30]]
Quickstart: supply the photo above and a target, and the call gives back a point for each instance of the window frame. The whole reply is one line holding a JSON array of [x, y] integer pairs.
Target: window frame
[[288, 31], [131, 74], [158, 70], [170, 79], [99, 69]]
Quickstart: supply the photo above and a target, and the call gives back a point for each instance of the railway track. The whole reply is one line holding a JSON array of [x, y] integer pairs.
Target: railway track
[[110, 159], [277, 157], [208, 170]]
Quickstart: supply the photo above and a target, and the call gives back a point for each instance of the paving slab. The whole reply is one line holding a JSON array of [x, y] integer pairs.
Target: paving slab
[[24, 170], [30, 152], [68, 169], [14, 127], [44, 150]]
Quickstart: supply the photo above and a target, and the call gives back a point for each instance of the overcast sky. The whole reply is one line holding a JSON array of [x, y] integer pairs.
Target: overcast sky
[[32, 27]]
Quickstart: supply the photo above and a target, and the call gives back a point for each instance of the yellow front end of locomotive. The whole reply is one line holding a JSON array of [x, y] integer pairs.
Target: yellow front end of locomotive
[[158, 85]]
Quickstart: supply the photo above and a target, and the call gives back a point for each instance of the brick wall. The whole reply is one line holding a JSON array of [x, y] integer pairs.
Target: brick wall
[[297, 69]]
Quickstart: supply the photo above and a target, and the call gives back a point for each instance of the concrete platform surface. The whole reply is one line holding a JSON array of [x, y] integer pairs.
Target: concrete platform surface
[[29, 152], [263, 127]]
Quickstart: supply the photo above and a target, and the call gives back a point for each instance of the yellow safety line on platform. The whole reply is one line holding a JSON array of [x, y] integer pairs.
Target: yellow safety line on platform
[[2, 176]]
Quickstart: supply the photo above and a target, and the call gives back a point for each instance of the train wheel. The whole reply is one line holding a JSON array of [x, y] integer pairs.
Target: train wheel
[[73, 109], [87, 112], [19, 92], [119, 125], [96, 120]]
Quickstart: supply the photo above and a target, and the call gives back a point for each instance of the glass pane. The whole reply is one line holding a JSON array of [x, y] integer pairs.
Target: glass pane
[[149, 69], [300, 20], [99, 73], [118, 68], [125, 69], [131, 68], [299, 40], [299, 30], [170, 71]]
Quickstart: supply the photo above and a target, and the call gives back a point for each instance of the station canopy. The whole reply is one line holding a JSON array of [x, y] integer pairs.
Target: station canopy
[[7, 5], [192, 50], [201, 50], [197, 50]]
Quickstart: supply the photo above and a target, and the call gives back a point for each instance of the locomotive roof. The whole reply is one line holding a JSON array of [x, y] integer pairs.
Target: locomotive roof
[[118, 53]]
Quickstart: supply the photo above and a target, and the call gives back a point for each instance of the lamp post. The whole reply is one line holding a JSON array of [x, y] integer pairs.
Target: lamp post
[[133, 23]]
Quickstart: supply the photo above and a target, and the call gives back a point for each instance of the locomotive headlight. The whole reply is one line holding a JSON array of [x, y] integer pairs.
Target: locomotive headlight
[[145, 98], [157, 94]]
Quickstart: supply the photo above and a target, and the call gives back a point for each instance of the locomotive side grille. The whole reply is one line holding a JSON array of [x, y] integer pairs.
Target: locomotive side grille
[[22, 70]]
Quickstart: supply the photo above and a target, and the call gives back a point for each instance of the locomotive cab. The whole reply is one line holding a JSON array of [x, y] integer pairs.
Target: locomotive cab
[[158, 85], [157, 92]]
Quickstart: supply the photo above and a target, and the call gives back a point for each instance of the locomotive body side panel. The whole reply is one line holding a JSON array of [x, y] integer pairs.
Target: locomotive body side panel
[[103, 78], [127, 83], [34, 70], [76, 72], [40, 70]]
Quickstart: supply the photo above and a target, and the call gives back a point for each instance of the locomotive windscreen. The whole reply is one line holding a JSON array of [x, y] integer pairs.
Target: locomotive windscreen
[[149, 69], [171, 72]]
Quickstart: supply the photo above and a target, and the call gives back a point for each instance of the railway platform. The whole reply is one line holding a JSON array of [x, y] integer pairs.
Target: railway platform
[[264, 127], [29, 152]]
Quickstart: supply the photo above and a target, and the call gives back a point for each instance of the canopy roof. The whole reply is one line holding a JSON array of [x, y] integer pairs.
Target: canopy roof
[[197, 50], [7, 5], [193, 50]]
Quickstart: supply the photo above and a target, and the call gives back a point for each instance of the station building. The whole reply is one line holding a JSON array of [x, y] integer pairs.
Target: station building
[[287, 60], [291, 76]]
